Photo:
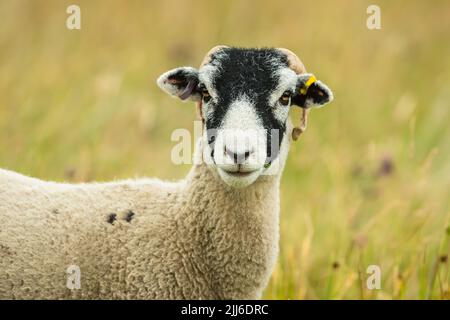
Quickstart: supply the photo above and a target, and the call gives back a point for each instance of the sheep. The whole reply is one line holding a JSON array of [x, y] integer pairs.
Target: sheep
[[212, 235]]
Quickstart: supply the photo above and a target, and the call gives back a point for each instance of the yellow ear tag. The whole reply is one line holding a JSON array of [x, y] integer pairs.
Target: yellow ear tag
[[297, 131], [308, 83]]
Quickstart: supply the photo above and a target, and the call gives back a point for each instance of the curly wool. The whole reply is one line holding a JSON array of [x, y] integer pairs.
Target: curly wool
[[138, 239]]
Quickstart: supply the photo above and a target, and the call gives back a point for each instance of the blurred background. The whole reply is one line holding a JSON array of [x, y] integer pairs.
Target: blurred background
[[367, 184]]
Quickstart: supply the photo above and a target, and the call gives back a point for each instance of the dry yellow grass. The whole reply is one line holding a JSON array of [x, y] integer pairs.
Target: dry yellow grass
[[367, 184]]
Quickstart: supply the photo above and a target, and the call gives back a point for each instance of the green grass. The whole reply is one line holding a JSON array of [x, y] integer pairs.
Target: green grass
[[368, 183]]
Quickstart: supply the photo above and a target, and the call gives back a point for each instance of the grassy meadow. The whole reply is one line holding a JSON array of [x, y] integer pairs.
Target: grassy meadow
[[367, 184]]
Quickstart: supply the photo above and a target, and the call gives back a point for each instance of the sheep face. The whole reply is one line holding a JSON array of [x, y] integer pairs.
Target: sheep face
[[244, 97]]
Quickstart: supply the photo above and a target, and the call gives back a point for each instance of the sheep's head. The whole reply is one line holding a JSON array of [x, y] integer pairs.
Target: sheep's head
[[243, 98]]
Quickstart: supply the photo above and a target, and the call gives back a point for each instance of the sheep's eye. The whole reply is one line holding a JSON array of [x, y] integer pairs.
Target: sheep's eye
[[285, 99], [205, 95]]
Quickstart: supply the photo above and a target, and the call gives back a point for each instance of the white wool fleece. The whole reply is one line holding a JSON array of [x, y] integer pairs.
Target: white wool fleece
[[138, 239]]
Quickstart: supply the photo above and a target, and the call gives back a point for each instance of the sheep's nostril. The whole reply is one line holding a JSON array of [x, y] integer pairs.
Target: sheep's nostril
[[238, 158]]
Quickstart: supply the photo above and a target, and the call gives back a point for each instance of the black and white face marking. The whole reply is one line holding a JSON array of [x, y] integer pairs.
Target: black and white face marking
[[245, 96], [242, 83]]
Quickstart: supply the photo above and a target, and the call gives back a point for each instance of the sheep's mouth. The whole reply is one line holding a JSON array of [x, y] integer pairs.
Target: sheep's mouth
[[240, 178], [239, 173]]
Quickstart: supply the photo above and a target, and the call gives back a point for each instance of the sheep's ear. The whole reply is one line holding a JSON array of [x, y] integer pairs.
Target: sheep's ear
[[311, 92], [180, 82]]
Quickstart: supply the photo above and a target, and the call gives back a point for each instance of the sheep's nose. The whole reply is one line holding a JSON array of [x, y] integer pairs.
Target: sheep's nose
[[238, 158]]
